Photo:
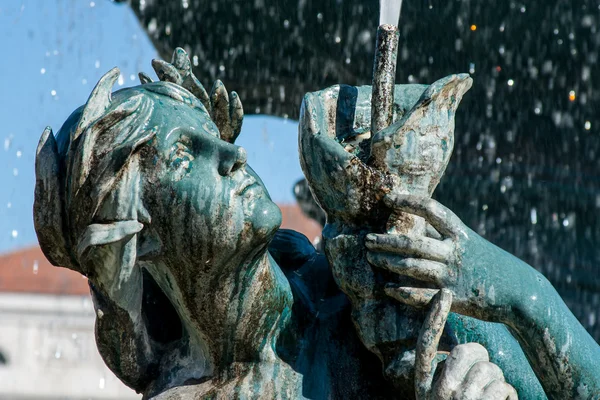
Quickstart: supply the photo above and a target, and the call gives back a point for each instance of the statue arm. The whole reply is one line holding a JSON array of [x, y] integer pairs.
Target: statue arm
[[564, 356], [490, 284]]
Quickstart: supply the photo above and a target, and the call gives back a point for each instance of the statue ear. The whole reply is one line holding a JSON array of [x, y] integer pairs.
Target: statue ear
[[48, 207]]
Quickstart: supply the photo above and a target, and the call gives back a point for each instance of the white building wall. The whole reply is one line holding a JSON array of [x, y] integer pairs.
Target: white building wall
[[51, 352]]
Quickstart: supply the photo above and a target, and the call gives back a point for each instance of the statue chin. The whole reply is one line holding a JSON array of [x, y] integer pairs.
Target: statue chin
[[263, 214], [266, 220]]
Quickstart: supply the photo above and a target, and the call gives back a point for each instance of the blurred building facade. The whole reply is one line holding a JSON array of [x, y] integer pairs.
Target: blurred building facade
[[47, 346]]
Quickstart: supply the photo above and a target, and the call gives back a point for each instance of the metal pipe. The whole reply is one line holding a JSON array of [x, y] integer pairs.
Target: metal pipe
[[384, 78]]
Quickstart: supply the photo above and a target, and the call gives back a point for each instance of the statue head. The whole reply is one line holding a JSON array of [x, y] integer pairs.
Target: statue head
[[141, 179], [150, 154]]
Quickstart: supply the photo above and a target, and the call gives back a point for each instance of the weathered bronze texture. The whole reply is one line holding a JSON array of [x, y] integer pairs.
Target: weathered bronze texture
[[198, 294]]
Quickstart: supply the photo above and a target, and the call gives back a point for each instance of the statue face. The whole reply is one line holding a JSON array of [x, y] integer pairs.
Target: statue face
[[207, 204], [178, 209]]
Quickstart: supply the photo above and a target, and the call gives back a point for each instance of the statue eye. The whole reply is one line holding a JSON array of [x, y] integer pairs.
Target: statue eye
[[180, 156]]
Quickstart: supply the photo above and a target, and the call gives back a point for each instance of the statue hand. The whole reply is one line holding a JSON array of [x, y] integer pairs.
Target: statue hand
[[467, 372], [483, 278]]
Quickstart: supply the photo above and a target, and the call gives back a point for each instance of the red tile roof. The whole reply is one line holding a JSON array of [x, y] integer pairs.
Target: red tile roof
[[293, 218], [28, 271]]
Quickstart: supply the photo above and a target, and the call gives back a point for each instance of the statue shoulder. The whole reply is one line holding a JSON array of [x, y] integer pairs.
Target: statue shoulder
[[291, 250]]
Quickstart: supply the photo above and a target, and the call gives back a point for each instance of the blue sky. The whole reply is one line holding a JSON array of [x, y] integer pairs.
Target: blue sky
[[53, 53]]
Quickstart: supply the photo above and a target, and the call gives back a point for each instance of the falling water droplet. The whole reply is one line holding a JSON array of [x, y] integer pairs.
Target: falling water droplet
[[533, 216], [8, 142]]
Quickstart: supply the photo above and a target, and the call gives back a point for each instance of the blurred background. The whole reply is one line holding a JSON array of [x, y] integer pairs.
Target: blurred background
[[524, 172]]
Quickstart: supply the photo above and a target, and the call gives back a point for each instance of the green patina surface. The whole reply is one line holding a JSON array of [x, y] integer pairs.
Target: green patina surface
[[200, 295]]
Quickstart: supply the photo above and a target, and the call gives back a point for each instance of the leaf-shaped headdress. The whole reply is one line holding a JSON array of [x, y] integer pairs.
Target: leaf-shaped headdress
[[225, 109]]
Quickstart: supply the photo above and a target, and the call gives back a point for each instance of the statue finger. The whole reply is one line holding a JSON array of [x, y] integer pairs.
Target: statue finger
[[430, 232], [424, 270], [413, 247], [441, 218], [499, 390], [236, 115], [456, 368], [478, 378], [219, 99], [421, 297], [428, 341], [166, 72], [413, 297]]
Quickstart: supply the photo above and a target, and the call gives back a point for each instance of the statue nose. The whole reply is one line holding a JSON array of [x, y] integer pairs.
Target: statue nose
[[232, 159]]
